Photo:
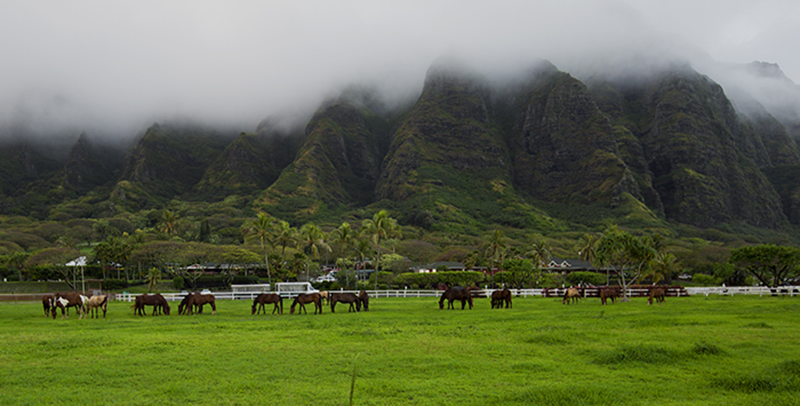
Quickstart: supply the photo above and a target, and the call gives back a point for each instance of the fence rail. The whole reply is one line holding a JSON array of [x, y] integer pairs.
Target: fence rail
[[401, 293]]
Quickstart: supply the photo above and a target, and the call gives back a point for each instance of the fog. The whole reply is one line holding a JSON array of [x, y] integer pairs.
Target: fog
[[113, 68]]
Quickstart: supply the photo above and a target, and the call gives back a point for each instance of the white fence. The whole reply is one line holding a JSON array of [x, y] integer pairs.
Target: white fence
[[754, 290]]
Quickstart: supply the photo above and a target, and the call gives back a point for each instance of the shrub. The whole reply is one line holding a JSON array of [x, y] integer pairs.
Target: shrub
[[586, 277], [178, 282]]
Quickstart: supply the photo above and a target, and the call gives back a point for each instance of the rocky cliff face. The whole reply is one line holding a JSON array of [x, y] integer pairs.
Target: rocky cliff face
[[250, 164], [167, 162], [338, 163], [703, 160], [89, 165], [565, 149]]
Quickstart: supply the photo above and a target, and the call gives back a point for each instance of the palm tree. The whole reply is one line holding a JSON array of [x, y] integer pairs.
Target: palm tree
[[540, 253], [587, 251], [496, 247], [153, 278], [345, 237], [380, 227], [285, 235], [313, 239], [168, 223], [262, 227]]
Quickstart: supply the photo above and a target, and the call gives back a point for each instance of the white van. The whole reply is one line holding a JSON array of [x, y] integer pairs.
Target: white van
[[292, 289]]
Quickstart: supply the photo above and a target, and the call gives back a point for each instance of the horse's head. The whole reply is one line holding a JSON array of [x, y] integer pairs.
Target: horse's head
[[166, 308], [253, 311]]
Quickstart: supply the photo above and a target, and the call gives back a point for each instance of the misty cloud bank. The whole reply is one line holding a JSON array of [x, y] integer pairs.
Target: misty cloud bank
[[113, 69]]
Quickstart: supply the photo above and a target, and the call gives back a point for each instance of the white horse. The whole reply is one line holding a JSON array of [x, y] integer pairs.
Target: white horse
[[95, 302]]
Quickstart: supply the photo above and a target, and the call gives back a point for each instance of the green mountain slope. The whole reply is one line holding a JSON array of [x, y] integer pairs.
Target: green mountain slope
[[336, 167]]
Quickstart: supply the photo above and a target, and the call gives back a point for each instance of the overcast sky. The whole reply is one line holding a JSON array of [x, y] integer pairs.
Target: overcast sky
[[118, 66]]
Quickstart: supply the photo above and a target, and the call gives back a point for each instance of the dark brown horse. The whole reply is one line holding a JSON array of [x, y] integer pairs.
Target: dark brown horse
[[350, 298], [658, 294], [363, 297], [305, 298], [609, 292], [196, 300], [571, 296], [67, 300], [501, 296], [48, 303], [266, 298], [456, 293], [157, 301]]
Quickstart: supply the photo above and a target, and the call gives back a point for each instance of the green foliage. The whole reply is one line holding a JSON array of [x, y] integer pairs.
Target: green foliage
[[593, 278], [178, 282]]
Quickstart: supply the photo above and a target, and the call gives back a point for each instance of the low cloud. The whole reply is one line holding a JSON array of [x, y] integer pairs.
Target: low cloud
[[115, 68]]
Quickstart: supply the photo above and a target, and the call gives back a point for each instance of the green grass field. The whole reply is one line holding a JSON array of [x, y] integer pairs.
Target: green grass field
[[698, 350]]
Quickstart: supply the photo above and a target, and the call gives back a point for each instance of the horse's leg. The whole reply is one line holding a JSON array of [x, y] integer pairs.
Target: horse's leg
[[214, 308]]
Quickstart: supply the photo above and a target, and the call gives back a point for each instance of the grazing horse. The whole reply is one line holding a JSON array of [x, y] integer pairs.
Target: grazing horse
[[351, 298], [501, 296], [265, 298], [67, 300], [609, 292], [199, 300], [48, 302], [363, 297], [182, 306], [571, 296], [325, 295], [157, 301], [97, 302], [456, 293], [305, 298], [658, 294]]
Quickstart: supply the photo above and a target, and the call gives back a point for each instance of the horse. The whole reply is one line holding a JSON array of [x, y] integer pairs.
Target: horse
[[501, 296], [351, 298], [70, 299], [95, 302], [658, 294], [363, 297], [157, 301], [199, 300], [456, 293], [609, 292], [325, 295], [182, 306], [48, 302], [305, 298], [265, 298], [571, 296]]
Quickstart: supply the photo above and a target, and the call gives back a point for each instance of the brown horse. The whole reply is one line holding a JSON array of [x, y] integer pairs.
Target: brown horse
[[199, 300], [363, 297], [501, 296], [97, 302], [571, 296], [157, 301], [658, 294], [456, 293], [67, 300], [351, 298], [305, 298], [609, 292], [48, 302], [266, 298]]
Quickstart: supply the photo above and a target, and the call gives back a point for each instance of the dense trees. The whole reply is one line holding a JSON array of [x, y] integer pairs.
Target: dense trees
[[772, 265]]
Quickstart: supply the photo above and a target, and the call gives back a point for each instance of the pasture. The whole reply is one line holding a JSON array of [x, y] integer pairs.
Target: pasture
[[697, 350]]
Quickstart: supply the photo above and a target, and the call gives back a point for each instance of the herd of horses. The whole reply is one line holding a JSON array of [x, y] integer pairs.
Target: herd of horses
[[572, 295], [82, 304], [193, 303], [503, 297]]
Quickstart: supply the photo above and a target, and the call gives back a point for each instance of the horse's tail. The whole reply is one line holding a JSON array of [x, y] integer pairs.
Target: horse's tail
[[105, 301]]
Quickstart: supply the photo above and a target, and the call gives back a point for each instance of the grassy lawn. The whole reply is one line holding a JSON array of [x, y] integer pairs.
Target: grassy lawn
[[698, 350]]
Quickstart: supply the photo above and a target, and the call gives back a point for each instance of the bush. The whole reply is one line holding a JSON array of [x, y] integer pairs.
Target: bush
[[705, 280], [593, 278], [178, 282]]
